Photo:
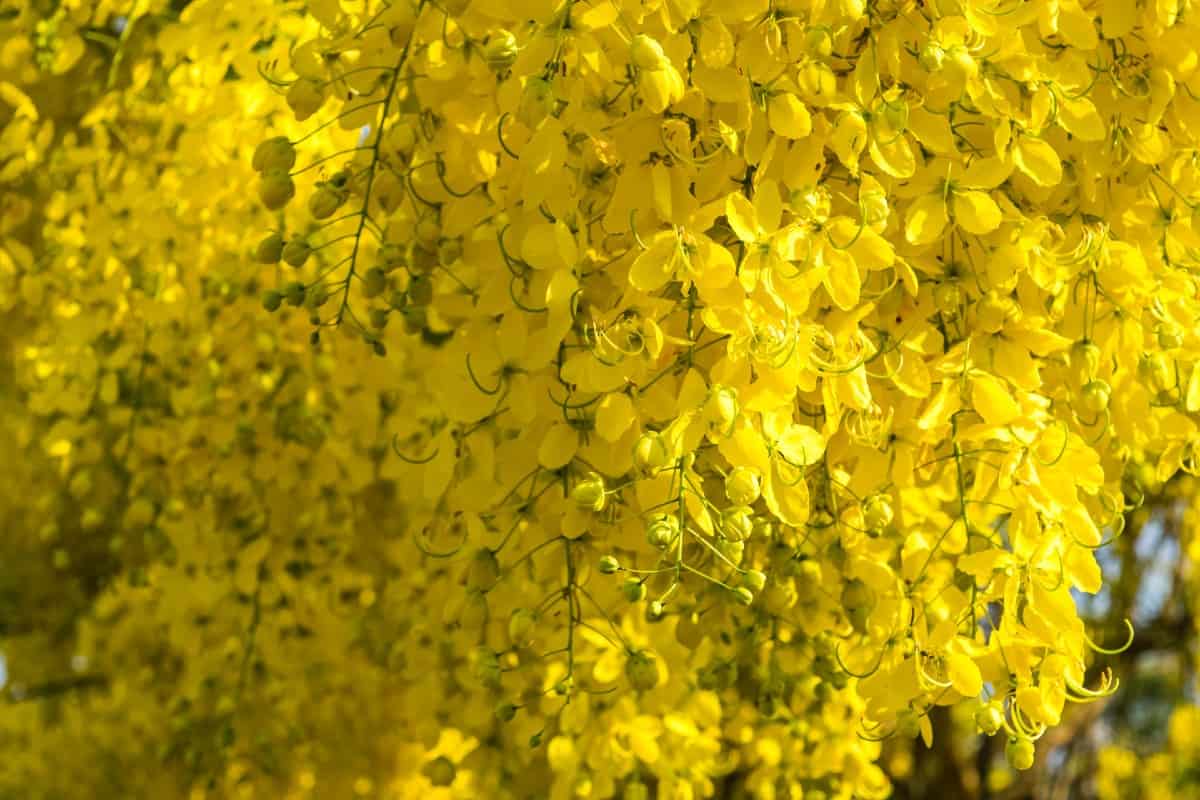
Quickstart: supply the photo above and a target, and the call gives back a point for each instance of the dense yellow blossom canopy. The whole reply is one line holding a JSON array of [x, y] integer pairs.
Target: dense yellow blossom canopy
[[577, 398]]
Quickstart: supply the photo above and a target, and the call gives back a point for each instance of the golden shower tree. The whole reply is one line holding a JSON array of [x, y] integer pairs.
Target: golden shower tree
[[579, 398]]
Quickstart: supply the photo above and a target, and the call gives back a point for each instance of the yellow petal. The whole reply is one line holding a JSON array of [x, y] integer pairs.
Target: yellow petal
[[788, 117], [926, 219], [993, 401], [614, 415], [964, 674], [1037, 159], [976, 212], [655, 266], [1079, 117], [559, 446]]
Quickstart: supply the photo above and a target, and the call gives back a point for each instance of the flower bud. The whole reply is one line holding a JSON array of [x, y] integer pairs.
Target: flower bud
[[589, 494], [989, 719], [1095, 396], [737, 523], [501, 49], [440, 771], [1020, 753], [1155, 371], [374, 282], [641, 670], [662, 530], [520, 623], [274, 153], [651, 452], [932, 56], [743, 485], [294, 293], [634, 590], [420, 291], [1085, 360], [272, 300], [609, 565], [324, 202], [877, 512], [484, 570], [743, 596], [297, 251], [276, 189], [305, 97], [754, 580], [646, 53], [269, 250], [721, 410], [506, 712]]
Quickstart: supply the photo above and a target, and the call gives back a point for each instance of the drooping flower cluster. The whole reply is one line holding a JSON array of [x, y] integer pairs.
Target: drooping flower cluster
[[833, 333]]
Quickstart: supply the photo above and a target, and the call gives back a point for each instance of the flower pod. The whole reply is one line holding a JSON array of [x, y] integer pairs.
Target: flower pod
[[1095, 397], [662, 530], [269, 250], [743, 486], [1020, 753], [305, 97], [296, 252], [641, 670], [501, 50], [274, 153], [589, 494], [276, 189], [651, 452], [324, 202]]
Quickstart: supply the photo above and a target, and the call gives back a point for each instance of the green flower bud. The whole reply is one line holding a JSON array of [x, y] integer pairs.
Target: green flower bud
[[662, 530], [589, 494], [520, 623], [274, 153], [269, 250], [877, 512], [609, 565], [440, 771], [501, 50], [296, 252], [1155, 370], [737, 523], [305, 97], [651, 452], [989, 718], [1095, 396], [743, 486], [743, 595], [721, 410], [641, 670], [294, 293], [276, 189], [484, 570], [634, 590], [506, 712], [1020, 753], [646, 53], [323, 202], [754, 580], [420, 290], [374, 282]]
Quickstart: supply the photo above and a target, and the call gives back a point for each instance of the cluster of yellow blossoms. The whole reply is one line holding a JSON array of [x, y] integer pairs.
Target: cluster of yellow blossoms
[[763, 375]]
